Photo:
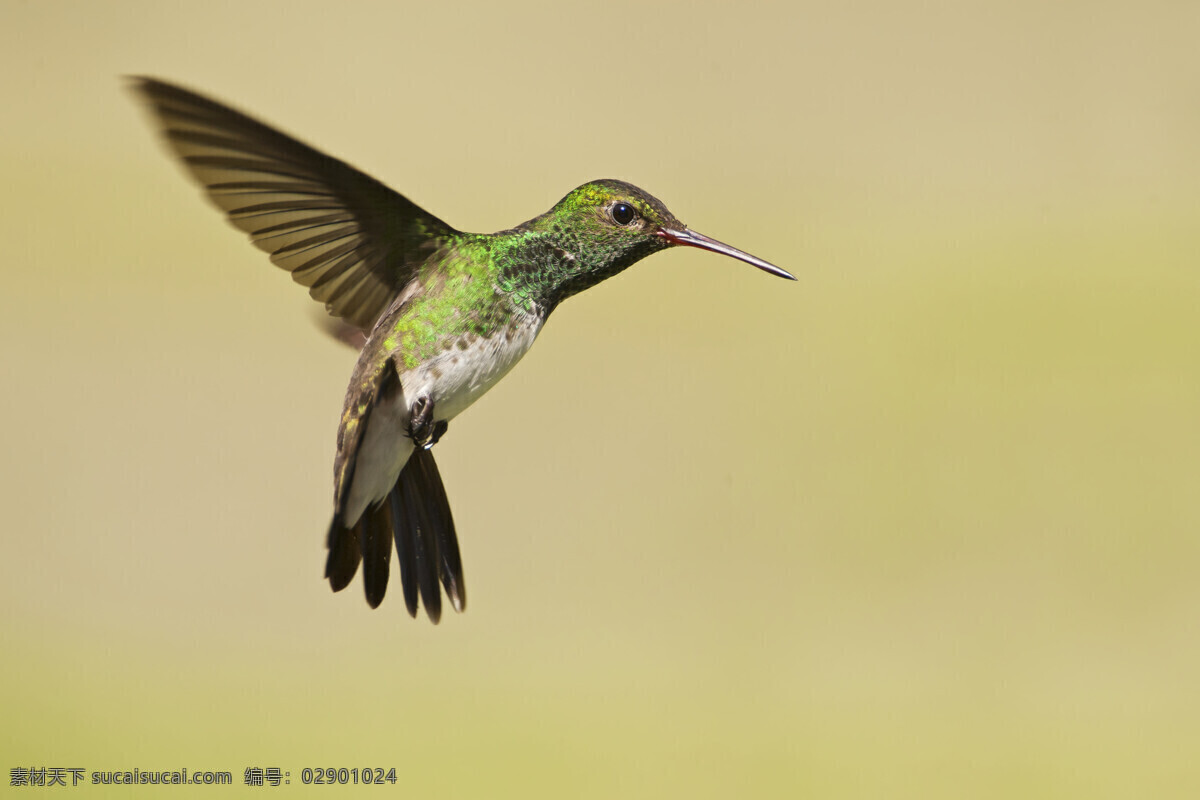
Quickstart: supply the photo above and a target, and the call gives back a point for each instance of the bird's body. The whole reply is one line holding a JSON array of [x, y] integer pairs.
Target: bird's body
[[447, 313], [450, 340]]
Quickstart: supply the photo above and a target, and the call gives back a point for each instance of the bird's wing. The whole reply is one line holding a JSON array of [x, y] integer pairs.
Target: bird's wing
[[353, 241]]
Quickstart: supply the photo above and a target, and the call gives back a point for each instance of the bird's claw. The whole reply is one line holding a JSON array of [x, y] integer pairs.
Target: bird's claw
[[424, 430]]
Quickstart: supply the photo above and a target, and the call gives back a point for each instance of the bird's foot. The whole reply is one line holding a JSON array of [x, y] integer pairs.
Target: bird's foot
[[424, 430]]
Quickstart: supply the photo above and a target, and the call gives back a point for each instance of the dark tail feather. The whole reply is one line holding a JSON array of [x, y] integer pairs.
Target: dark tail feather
[[425, 546], [376, 528], [344, 554], [433, 492], [402, 529], [417, 517]]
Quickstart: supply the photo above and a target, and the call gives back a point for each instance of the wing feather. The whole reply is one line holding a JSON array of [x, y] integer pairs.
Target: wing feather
[[353, 241]]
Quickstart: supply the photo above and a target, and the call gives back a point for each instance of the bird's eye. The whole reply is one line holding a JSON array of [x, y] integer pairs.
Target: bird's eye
[[623, 213]]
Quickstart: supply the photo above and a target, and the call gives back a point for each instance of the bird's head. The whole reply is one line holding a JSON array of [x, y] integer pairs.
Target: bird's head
[[604, 226]]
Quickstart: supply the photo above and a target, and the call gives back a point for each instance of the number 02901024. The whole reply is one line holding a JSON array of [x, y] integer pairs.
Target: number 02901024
[[336, 776]]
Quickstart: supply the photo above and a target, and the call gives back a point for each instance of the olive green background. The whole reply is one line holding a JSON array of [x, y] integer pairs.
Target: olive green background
[[923, 524]]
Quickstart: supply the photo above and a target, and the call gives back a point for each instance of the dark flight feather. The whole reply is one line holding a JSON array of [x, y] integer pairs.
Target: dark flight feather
[[344, 554], [433, 492], [425, 544], [376, 551], [405, 553]]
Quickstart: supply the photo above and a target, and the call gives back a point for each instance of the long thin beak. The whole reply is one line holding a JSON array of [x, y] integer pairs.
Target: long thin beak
[[693, 239]]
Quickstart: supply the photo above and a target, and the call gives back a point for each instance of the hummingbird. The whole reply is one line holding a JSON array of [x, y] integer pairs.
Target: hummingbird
[[446, 313]]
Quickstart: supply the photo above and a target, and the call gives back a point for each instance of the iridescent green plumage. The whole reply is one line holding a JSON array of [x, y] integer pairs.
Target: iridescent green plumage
[[448, 313]]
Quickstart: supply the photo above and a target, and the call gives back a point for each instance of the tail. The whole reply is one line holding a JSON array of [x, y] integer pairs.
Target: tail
[[416, 515]]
